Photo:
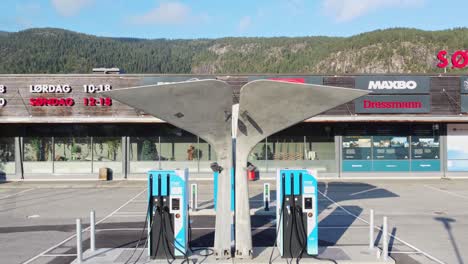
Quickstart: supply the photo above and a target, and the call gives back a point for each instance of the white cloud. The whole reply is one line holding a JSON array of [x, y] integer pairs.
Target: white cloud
[[166, 13], [69, 8], [244, 24], [346, 10]]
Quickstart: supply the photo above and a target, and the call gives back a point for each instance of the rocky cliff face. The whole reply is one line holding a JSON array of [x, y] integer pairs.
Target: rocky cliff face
[[402, 57]]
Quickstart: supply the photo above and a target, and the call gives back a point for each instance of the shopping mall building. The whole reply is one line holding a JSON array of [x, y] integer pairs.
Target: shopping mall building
[[60, 127]]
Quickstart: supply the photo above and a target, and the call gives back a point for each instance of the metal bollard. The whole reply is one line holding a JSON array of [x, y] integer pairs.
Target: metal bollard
[[385, 239], [92, 230], [79, 248], [194, 196], [266, 196], [371, 229]]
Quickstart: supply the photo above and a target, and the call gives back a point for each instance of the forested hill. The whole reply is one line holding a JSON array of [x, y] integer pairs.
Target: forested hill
[[383, 51]]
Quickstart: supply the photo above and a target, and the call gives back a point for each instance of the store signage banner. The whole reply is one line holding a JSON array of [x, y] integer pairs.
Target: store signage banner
[[394, 84], [458, 59], [294, 79], [393, 104]]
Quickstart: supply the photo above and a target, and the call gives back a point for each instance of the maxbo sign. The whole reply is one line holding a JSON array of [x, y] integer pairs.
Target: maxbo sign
[[393, 84]]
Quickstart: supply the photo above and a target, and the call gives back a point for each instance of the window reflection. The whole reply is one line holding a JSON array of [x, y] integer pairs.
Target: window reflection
[[38, 155], [7, 155]]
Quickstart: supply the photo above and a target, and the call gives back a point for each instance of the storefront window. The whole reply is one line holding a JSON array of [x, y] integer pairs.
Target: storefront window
[[107, 152], [390, 148], [390, 153], [425, 153], [457, 147], [144, 154], [72, 155], [259, 155], [7, 156], [357, 148], [308, 146], [357, 153], [206, 156], [425, 147], [38, 155], [284, 152], [180, 152], [320, 154]]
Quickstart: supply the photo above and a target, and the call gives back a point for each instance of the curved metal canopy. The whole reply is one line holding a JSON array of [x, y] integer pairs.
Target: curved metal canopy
[[202, 108], [266, 107]]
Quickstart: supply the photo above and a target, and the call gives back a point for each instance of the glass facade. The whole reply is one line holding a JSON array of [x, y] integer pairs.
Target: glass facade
[[303, 146], [38, 155], [170, 152], [72, 155], [107, 152], [7, 156], [391, 148], [144, 154], [457, 148], [331, 149]]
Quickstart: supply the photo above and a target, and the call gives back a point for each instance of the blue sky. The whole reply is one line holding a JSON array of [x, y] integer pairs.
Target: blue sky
[[212, 19]]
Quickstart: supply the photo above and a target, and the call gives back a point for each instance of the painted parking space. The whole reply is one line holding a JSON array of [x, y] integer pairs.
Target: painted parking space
[[412, 210]]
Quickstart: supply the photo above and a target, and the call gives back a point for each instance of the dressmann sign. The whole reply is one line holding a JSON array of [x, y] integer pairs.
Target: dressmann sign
[[393, 104], [393, 94], [393, 84]]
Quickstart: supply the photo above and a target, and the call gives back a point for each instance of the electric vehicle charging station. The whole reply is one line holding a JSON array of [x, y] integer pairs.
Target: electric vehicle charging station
[[296, 212], [205, 108], [167, 213]]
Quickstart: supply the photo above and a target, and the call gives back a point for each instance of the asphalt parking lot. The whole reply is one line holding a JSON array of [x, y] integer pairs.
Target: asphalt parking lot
[[428, 218]]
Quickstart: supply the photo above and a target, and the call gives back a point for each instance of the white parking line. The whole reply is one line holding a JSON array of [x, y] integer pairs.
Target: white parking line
[[361, 192], [404, 252], [391, 235], [14, 194], [117, 229], [73, 236], [117, 215], [59, 255], [447, 192]]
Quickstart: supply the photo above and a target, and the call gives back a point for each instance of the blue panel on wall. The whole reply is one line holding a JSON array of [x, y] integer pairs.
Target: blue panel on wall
[[425, 165], [357, 165], [391, 165]]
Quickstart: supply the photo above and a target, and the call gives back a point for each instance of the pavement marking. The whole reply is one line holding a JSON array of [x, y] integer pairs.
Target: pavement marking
[[117, 215], [129, 213], [59, 255], [447, 192], [404, 252], [73, 236], [378, 228], [326, 189], [14, 194], [118, 229], [365, 191]]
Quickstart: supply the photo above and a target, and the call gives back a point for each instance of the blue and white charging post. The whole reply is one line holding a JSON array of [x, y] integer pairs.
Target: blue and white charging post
[[296, 212], [167, 213]]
